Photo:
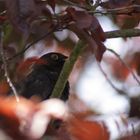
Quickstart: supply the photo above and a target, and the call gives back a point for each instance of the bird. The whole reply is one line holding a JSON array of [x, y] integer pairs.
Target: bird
[[43, 76]]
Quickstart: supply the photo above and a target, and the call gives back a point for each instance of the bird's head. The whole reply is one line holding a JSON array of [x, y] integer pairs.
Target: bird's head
[[53, 61]]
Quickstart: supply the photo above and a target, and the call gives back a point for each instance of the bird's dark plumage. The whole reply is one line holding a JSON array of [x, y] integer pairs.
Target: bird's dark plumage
[[41, 80]]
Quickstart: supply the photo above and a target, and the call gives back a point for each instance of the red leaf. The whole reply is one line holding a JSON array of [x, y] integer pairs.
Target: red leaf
[[88, 29], [128, 17], [82, 19], [4, 88], [127, 21], [20, 13], [9, 121], [87, 130], [119, 70]]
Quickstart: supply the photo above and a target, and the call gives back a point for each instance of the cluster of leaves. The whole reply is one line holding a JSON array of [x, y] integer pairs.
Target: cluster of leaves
[[34, 17], [125, 12], [29, 18], [19, 120]]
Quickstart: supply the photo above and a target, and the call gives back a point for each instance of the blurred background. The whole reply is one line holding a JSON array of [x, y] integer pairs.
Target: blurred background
[[100, 92]]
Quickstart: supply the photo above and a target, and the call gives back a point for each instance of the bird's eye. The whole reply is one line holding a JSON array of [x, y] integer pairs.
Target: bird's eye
[[54, 56]]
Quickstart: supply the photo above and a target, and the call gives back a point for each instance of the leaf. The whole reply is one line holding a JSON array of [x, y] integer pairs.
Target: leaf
[[4, 88], [88, 29], [128, 17], [20, 120], [81, 18], [41, 28], [119, 71], [9, 116], [87, 130], [127, 21], [20, 13]]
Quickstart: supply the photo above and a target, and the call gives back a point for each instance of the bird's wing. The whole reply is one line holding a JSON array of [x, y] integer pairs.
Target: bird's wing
[[37, 83]]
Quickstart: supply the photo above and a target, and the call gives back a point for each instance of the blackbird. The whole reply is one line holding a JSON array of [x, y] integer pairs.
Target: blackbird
[[43, 76]]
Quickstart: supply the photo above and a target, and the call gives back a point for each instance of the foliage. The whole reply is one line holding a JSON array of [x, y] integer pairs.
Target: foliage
[[24, 24]]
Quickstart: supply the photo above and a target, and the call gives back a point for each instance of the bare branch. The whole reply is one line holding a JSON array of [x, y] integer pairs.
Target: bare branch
[[75, 4], [6, 67], [30, 45], [121, 10], [122, 92], [117, 55], [125, 10]]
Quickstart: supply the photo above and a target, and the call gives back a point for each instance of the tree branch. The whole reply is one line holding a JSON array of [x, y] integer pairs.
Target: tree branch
[[67, 68], [31, 44], [74, 4], [122, 33], [128, 10], [6, 67], [109, 34]]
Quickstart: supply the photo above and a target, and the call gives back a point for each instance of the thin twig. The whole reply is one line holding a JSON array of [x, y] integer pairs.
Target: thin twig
[[109, 34], [117, 11], [126, 10], [129, 69], [6, 67], [110, 82], [30, 45], [75, 4]]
